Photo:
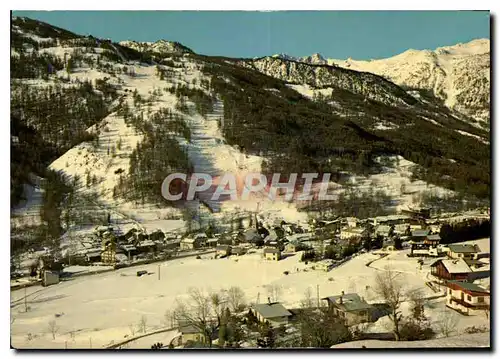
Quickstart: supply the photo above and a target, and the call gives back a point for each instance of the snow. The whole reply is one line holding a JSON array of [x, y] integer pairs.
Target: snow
[[464, 340], [474, 136], [27, 212], [103, 306], [385, 125], [443, 71]]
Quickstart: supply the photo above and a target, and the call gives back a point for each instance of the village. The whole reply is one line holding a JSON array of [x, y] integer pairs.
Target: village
[[456, 273]]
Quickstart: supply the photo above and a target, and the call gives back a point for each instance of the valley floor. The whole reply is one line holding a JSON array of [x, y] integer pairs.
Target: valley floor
[[97, 311]]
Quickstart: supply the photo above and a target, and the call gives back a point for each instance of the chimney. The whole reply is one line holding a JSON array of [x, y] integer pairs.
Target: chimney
[[341, 297], [269, 300]]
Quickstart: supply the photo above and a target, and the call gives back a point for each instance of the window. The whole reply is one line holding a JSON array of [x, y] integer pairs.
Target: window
[[449, 291], [450, 301], [469, 298], [480, 299]]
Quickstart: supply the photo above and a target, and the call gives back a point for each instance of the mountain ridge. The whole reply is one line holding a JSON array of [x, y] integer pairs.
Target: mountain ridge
[[458, 74]]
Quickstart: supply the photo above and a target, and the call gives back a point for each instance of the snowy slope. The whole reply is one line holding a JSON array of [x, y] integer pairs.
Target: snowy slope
[[479, 340]]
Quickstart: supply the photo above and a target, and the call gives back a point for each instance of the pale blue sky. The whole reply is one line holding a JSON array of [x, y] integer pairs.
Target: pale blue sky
[[334, 34]]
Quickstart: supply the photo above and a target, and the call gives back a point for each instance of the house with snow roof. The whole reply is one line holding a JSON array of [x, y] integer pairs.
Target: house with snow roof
[[451, 269], [422, 243], [272, 254], [274, 313], [195, 242], [350, 307], [463, 251]]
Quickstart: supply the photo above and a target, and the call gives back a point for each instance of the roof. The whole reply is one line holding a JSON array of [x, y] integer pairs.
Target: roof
[[200, 236], [468, 286], [420, 233], [223, 247], [93, 254], [474, 262], [251, 234], [299, 237], [186, 328], [392, 217], [463, 248], [146, 243], [383, 228], [351, 302], [348, 296], [358, 230], [272, 310], [325, 262], [454, 266], [271, 250], [434, 237]]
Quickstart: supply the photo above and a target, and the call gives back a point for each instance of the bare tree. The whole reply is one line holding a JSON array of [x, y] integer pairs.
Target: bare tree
[[236, 299], [53, 328], [308, 301], [143, 324], [446, 323], [274, 292], [168, 318], [391, 290], [202, 311], [132, 329]]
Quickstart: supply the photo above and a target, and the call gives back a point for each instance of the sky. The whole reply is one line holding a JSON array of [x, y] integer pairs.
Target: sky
[[359, 35]]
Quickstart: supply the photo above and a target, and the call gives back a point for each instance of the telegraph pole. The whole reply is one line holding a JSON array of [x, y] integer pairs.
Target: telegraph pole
[[317, 293], [25, 300]]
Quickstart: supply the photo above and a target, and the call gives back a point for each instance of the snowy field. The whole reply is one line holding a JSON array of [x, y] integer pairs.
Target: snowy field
[[465, 340], [101, 309]]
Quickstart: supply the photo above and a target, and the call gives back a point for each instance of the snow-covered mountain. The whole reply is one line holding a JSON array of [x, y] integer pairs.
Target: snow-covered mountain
[[160, 46], [224, 115], [458, 74]]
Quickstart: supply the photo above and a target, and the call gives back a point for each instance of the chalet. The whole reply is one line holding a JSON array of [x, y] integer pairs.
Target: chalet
[[383, 230], [294, 246], [350, 307], [272, 254], [93, 255], [274, 313], [147, 246], [463, 251], [190, 333], [454, 269], [223, 250], [353, 232], [352, 222], [212, 242], [251, 235], [422, 243], [467, 298], [199, 240], [238, 251], [324, 265], [108, 252]]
